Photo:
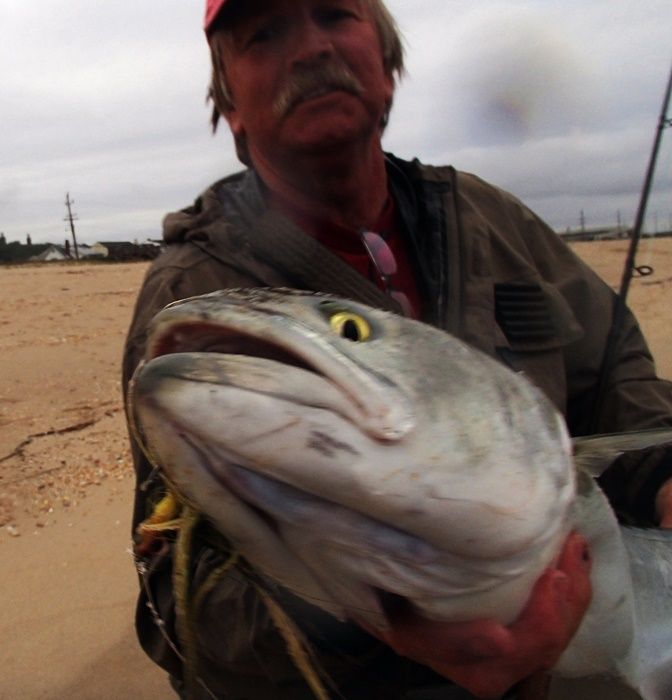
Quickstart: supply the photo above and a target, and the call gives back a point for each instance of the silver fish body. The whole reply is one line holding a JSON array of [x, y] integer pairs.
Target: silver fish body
[[352, 454]]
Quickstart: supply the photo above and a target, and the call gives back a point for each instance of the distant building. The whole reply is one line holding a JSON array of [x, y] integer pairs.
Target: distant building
[[113, 251], [90, 251], [50, 254], [64, 252], [602, 233], [124, 251], [607, 233], [99, 250], [16, 252]]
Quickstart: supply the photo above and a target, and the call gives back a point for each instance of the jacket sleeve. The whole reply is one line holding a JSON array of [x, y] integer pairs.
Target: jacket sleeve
[[634, 398]]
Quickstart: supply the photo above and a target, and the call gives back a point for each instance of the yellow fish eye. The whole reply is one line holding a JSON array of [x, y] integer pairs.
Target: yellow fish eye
[[350, 326]]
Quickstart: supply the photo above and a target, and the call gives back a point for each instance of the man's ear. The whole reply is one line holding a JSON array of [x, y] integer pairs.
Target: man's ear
[[235, 123], [239, 135], [389, 87]]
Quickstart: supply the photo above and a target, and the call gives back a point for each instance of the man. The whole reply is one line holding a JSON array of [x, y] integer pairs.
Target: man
[[306, 87]]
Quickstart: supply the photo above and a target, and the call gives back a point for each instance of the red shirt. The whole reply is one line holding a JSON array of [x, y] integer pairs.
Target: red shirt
[[347, 244]]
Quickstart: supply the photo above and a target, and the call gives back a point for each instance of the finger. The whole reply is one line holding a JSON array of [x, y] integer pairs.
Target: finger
[[664, 505], [576, 563], [463, 642], [556, 606], [416, 637], [534, 687], [575, 553]]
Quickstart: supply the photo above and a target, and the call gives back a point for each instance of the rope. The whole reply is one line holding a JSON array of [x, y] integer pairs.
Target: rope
[[297, 647]]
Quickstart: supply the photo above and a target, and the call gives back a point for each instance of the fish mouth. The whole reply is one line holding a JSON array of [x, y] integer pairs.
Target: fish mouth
[[376, 404], [268, 390], [261, 371], [213, 338]]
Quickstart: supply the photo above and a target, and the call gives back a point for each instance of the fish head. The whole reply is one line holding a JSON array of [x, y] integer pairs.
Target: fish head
[[303, 331], [379, 442]]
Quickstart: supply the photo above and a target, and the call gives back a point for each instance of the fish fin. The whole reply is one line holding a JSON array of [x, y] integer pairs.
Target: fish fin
[[594, 453]]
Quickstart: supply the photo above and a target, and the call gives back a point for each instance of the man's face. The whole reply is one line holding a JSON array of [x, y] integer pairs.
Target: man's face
[[305, 76]]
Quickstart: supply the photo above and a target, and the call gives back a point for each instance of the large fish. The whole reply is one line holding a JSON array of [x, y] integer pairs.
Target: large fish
[[352, 455]]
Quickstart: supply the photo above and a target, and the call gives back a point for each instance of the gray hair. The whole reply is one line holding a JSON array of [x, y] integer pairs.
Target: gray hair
[[220, 95]]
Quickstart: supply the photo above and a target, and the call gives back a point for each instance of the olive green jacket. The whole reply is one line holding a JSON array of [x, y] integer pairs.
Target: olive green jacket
[[489, 272]]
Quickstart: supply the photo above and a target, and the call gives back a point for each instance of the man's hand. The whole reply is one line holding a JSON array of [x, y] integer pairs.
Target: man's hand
[[487, 658], [664, 505]]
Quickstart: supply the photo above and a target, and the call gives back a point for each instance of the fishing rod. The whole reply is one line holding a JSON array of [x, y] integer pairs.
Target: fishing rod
[[620, 305], [629, 268]]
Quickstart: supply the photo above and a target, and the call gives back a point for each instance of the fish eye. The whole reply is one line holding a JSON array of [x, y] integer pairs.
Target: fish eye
[[350, 326]]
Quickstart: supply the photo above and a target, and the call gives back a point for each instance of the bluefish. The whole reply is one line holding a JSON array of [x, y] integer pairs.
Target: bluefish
[[351, 454]]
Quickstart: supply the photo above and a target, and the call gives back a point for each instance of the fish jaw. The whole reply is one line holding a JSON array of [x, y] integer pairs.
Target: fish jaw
[[241, 405], [186, 466], [174, 399]]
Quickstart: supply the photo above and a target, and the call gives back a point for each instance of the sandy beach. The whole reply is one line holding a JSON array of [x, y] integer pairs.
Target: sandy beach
[[67, 580]]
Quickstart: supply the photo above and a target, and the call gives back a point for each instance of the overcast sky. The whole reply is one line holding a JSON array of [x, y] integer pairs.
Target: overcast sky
[[554, 100]]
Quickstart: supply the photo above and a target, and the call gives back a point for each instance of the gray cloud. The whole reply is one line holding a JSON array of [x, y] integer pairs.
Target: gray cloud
[[555, 101]]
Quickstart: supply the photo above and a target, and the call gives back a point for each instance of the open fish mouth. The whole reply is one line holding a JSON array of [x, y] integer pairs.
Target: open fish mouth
[[195, 337], [377, 405]]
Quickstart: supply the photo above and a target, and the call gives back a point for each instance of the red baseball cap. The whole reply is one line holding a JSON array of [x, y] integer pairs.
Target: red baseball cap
[[212, 9]]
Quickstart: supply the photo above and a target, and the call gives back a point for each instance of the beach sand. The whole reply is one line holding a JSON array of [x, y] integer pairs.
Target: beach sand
[[67, 579]]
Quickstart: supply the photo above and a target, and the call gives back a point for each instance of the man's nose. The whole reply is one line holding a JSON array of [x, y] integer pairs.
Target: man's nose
[[313, 44]]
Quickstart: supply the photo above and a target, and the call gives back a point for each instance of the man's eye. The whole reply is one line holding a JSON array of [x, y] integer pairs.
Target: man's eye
[[335, 14], [265, 32], [261, 36]]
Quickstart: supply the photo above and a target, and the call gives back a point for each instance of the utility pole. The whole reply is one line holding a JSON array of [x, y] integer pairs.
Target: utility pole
[[71, 218]]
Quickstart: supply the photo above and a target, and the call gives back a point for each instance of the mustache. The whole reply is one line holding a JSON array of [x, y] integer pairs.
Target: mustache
[[305, 83]]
